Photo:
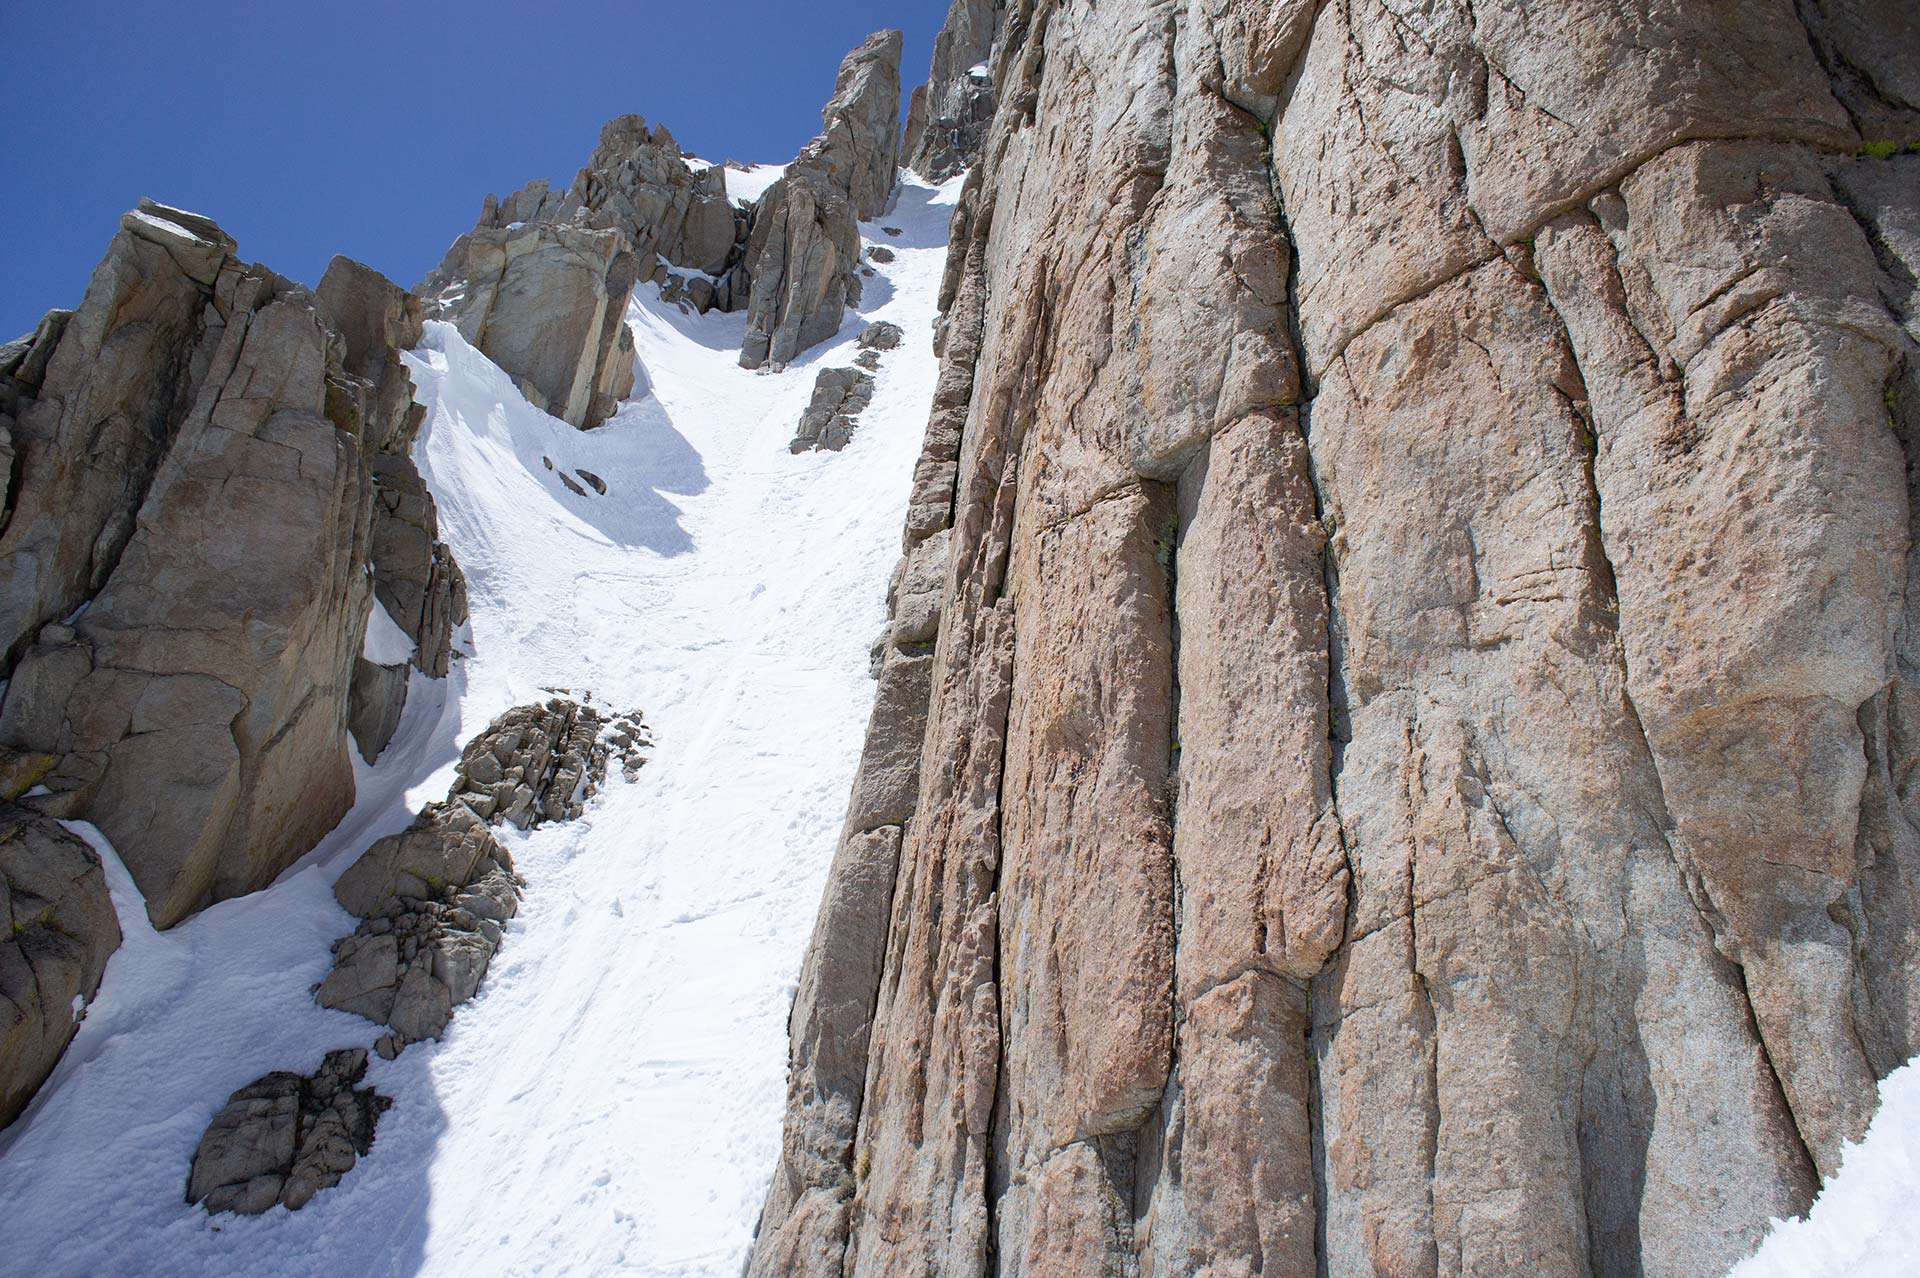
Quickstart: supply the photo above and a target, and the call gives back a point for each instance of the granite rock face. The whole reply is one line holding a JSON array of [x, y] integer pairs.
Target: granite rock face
[[858, 149], [547, 302], [97, 397], [415, 578], [57, 930], [187, 560], [541, 284], [639, 183], [802, 258], [802, 255], [284, 1137], [1409, 773], [948, 117]]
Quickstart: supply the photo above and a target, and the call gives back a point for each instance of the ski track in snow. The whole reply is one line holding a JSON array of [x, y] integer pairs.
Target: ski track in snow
[[611, 1101]]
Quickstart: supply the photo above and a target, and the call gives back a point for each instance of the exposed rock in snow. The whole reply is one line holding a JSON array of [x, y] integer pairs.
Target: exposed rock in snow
[[804, 250], [1866, 1222], [544, 300], [881, 335], [417, 587], [436, 896], [57, 929], [801, 258], [839, 395], [435, 899], [541, 283], [285, 1137], [657, 944]]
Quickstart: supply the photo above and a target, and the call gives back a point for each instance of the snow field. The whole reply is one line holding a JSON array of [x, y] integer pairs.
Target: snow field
[[610, 1102]]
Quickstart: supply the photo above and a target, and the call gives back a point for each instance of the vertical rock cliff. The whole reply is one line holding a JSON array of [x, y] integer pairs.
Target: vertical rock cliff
[[1410, 774]]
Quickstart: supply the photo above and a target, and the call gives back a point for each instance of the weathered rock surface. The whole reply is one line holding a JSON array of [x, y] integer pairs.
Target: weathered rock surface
[[839, 397], [803, 254], [858, 149], [638, 182], [57, 930], [415, 577], [193, 471], [948, 117], [541, 284], [547, 302], [801, 260], [110, 386], [1409, 780], [881, 335], [436, 897], [285, 1137]]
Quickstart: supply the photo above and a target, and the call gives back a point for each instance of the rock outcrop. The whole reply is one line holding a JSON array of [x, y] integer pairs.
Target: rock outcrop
[[57, 930], [541, 284], [284, 1137], [948, 117], [415, 578], [803, 253], [547, 302], [184, 575], [639, 183], [802, 259], [839, 396], [1410, 781], [858, 148], [436, 897]]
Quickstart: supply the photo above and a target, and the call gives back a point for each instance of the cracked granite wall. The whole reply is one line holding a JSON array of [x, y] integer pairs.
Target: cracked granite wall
[[1414, 769]]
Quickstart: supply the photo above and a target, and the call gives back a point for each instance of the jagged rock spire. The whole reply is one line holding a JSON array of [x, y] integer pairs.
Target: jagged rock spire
[[949, 114], [804, 251]]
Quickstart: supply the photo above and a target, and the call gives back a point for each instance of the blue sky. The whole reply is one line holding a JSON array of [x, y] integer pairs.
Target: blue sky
[[375, 129]]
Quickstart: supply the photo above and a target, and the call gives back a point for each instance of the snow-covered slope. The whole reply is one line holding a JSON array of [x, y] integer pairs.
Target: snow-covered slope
[[610, 1103]]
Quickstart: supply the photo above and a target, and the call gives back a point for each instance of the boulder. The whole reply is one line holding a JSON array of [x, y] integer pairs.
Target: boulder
[[839, 395], [547, 302], [284, 1137], [446, 846], [57, 930], [436, 897], [881, 335]]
